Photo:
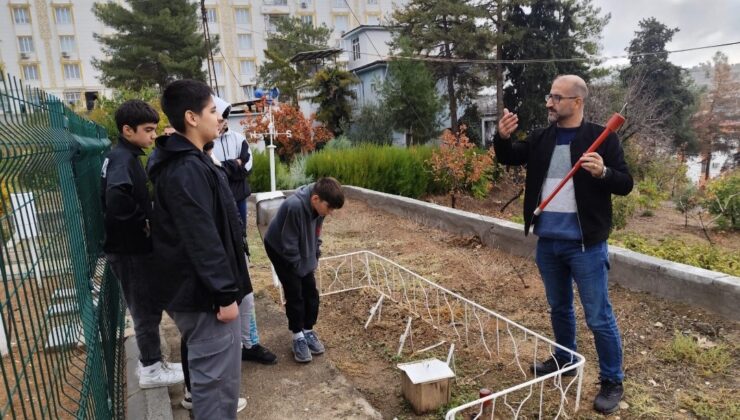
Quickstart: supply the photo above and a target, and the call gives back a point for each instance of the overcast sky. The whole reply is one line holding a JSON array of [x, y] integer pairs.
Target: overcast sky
[[701, 22]]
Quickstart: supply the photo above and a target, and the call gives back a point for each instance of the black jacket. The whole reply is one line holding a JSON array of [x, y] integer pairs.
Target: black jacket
[[593, 195], [126, 202], [294, 233], [196, 229]]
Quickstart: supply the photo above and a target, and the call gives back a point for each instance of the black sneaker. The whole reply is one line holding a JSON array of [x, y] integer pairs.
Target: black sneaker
[[607, 401], [259, 354], [552, 365]]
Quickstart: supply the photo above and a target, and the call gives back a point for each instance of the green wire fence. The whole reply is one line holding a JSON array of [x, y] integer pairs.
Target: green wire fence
[[61, 310]]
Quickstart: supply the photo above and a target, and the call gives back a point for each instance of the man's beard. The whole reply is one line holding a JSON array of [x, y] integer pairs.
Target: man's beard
[[552, 116]]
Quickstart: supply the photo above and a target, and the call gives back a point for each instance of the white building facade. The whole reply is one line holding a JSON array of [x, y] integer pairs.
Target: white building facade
[[50, 44]]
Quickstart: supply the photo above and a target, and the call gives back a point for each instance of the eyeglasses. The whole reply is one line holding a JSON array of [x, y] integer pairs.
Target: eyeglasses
[[557, 98]]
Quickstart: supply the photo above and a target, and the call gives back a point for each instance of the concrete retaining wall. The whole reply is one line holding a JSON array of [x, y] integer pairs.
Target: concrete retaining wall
[[717, 292]]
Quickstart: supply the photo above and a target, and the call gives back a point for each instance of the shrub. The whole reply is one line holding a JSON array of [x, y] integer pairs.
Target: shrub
[[459, 166], [649, 196], [723, 199], [381, 168], [698, 255], [338, 143], [259, 180], [623, 207], [296, 175]]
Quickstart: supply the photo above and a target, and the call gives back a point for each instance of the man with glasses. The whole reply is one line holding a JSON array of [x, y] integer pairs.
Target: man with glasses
[[574, 227]]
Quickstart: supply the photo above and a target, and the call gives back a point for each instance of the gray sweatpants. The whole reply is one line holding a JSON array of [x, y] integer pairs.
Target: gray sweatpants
[[214, 362]]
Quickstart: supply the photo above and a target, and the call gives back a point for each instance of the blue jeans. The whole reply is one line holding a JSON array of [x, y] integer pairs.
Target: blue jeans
[[242, 207], [560, 263]]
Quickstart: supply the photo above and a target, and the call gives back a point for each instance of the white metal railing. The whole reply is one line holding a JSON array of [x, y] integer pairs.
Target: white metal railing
[[500, 339]]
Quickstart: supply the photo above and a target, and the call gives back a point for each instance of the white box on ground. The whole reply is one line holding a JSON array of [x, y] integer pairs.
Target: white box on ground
[[426, 384]]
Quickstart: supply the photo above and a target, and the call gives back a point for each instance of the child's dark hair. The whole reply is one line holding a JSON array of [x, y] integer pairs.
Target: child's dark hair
[[329, 190], [181, 96], [134, 113]]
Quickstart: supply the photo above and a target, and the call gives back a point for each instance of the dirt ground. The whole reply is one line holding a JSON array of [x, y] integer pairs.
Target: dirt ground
[[657, 386], [665, 222]]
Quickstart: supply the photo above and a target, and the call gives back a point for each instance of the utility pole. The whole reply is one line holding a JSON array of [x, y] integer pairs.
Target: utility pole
[[212, 80]]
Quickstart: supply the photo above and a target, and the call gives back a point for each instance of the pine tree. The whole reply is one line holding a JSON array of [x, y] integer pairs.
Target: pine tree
[[669, 83], [448, 29], [154, 43], [409, 94], [290, 37], [547, 29], [333, 94]]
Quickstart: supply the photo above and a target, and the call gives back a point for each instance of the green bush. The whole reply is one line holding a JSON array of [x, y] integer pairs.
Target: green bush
[[259, 180], [296, 175], [623, 207], [723, 199], [649, 196], [698, 255], [381, 168], [338, 143]]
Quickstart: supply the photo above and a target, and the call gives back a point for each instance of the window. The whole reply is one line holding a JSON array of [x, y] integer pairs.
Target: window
[[72, 98], [21, 15], [72, 71], [246, 68], [356, 48], [339, 4], [211, 15], [67, 43], [25, 44], [271, 21], [241, 15], [218, 67], [248, 91], [340, 23], [276, 2], [244, 41], [375, 2], [63, 15], [307, 20], [31, 72], [373, 20]]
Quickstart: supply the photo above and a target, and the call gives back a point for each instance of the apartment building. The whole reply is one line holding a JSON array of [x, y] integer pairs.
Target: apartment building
[[50, 44]]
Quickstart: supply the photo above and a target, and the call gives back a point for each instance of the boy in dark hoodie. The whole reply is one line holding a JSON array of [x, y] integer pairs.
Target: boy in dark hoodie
[[198, 247], [128, 244], [292, 244]]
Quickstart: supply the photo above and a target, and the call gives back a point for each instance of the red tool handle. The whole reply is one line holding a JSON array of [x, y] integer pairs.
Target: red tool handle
[[612, 125]]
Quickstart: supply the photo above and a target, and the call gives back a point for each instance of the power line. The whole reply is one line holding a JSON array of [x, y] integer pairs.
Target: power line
[[493, 61]]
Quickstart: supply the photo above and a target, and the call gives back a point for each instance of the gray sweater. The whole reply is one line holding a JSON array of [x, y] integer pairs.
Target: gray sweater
[[294, 232]]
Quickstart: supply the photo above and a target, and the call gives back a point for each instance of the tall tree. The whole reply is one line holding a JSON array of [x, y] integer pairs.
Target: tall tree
[[448, 29], [409, 93], [290, 37], [548, 29], [334, 96], [154, 43], [717, 123], [667, 82]]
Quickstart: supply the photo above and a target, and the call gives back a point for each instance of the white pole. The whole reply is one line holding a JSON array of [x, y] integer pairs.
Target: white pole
[[272, 147], [4, 350]]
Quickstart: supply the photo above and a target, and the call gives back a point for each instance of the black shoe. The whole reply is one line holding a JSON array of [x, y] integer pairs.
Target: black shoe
[[552, 365], [259, 354], [609, 396]]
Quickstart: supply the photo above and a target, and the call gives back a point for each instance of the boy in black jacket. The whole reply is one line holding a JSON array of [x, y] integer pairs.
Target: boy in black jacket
[[128, 243], [198, 246], [292, 244]]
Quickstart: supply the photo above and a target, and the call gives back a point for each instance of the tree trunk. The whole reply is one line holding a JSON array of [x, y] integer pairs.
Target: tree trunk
[[451, 91]]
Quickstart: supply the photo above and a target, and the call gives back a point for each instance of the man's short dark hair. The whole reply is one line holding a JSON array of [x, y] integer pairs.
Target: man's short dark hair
[[330, 190], [134, 113], [181, 96]]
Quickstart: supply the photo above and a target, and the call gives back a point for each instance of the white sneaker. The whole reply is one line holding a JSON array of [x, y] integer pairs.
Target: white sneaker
[[157, 375], [187, 402], [177, 367]]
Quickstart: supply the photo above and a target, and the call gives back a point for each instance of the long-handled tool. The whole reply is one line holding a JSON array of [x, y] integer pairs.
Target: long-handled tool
[[612, 125]]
